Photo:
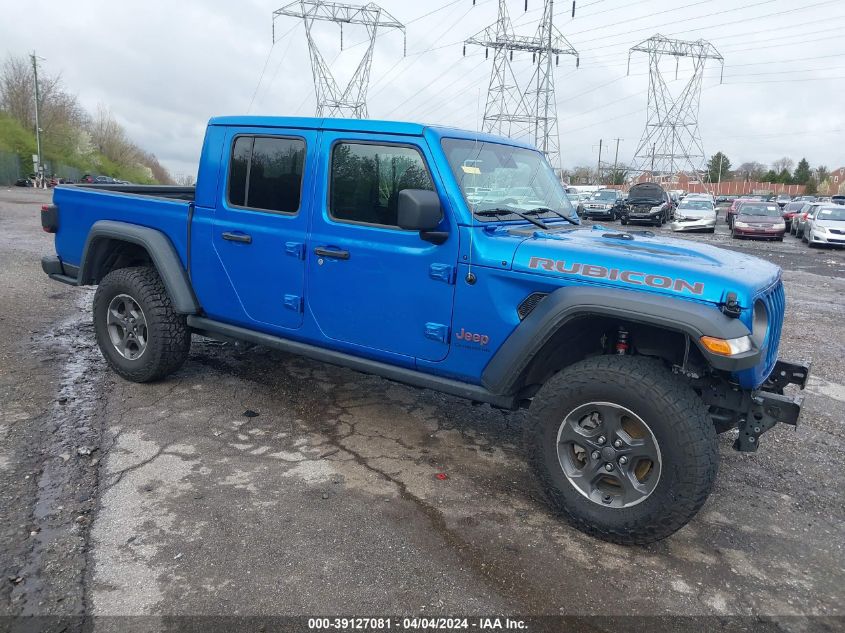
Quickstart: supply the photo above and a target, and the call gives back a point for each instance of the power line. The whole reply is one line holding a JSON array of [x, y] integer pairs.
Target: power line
[[418, 57]]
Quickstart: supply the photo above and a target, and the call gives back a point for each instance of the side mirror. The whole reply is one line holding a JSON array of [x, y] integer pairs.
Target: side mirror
[[420, 210]]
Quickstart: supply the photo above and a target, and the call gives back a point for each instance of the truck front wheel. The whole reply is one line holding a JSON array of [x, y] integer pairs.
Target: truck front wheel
[[139, 333], [624, 448]]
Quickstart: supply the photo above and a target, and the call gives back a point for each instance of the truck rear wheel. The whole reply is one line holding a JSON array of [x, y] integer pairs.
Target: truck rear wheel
[[139, 333], [624, 448]]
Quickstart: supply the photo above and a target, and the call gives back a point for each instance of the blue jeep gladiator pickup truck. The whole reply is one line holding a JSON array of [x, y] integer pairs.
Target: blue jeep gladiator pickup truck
[[454, 261]]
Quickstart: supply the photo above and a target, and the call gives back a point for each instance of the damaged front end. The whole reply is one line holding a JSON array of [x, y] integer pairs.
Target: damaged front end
[[755, 412]]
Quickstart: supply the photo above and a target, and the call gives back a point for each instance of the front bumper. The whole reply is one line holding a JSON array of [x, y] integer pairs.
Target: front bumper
[[764, 233], [597, 213], [817, 237], [768, 406], [651, 216], [698, 224]]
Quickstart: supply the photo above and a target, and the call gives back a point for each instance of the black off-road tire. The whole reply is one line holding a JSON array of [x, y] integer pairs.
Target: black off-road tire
[[678, 420], [168, 336]]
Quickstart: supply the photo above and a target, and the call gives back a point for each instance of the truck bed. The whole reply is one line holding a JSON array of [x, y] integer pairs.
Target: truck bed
[[79, 207]]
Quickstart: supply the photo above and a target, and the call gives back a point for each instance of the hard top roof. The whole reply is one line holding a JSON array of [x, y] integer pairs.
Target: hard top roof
[[361, 125]]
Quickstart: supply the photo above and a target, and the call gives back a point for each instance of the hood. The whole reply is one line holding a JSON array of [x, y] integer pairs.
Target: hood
[[646, 191], [695, 213], [830, 224], [759, 219], [668, 266]]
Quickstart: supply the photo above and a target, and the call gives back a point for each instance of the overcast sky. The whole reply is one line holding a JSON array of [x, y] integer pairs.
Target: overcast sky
[[165, 68]]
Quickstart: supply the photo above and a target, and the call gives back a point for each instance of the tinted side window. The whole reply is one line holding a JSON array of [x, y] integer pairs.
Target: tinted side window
[[366, 179], [238, 170], [266, 173]]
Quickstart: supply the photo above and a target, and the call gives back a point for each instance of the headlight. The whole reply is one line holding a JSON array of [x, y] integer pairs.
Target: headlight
[[657, 208], [740, 225], [820, 229], [759, 322]]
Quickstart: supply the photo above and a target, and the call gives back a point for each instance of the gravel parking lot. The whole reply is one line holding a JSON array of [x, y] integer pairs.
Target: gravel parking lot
[[258, 483]]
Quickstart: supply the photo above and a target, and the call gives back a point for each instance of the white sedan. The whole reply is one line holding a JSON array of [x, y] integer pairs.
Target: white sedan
[[697, 214]]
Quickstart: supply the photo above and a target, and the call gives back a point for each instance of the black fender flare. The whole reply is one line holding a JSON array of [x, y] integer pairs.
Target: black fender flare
[[161, 251], [565, 304]]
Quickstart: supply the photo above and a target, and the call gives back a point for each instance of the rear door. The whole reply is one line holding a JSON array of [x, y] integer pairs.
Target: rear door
[[261, 222], [372, 284]]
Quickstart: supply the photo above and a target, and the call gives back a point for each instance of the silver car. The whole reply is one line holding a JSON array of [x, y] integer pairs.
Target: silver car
[[799, 220], [695, 214], [825, 225]]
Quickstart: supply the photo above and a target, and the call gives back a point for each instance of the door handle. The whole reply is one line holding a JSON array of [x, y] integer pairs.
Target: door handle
[[322, 251], [238, 237]]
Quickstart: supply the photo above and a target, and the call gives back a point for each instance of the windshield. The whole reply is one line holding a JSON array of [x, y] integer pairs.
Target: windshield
[[752, 208], [832, 213], [609, 196], [493, 177]]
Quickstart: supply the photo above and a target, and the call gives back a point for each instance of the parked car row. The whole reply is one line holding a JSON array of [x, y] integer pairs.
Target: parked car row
[[102, 180], [646, 203], [819, 223], [29, 181]]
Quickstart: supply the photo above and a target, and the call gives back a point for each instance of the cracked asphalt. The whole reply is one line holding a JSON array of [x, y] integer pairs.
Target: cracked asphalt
[[258, 483]]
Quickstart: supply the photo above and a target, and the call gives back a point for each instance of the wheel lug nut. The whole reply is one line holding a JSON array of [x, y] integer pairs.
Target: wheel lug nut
[[601, 439], [608, 467], [617, 444], [623, 460], [596, 454]]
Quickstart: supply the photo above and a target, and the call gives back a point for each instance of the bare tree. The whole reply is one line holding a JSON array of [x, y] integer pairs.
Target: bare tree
[[57, 108], [185, 180], [109, 138], [583, 175], [783, 164], [751, 170]]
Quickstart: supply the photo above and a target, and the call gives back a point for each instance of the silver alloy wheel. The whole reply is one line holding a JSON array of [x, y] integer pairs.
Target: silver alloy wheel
[[127, 327], [609, 454]]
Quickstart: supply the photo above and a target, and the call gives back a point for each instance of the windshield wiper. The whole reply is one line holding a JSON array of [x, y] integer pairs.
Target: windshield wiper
[[557, 213], [498, 212]]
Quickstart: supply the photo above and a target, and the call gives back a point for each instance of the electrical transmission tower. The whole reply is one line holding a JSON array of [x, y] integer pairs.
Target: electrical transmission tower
[[331, 100], [530, 110], [671, 143]]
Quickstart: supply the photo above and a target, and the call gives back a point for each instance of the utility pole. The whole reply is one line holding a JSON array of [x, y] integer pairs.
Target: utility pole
[[616, 157], [598, 166], [719, 184], [39, 174]]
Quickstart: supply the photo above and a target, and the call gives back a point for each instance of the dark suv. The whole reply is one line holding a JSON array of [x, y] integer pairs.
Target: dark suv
[[648, 202], [605, 204]]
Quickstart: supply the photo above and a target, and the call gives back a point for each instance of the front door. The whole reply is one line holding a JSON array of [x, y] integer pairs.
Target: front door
[[372, 284], [260, 225]]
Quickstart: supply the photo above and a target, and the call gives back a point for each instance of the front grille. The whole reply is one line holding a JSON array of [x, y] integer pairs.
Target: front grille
[[837, 231], [775, 302]]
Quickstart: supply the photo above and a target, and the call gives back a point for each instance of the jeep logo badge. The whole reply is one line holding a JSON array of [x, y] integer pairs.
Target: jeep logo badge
[[469, 337]]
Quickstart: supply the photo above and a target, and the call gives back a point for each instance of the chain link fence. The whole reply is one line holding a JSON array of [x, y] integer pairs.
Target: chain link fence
[[10, 168]]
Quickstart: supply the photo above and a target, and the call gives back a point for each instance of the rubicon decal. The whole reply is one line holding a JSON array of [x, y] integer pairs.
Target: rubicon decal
[[631, 277]]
